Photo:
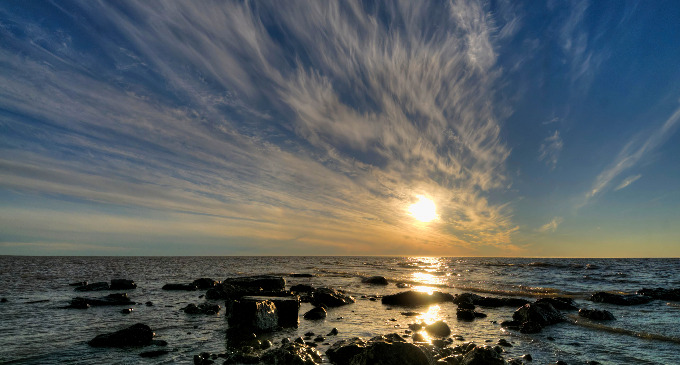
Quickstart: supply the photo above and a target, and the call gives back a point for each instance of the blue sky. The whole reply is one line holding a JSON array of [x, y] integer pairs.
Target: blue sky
[[307, 128]]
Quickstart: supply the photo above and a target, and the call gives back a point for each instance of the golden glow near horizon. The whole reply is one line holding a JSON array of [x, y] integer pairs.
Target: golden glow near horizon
[[424, 210]]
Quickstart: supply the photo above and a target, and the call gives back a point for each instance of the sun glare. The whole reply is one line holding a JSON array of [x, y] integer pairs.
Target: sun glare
[[424, 210]]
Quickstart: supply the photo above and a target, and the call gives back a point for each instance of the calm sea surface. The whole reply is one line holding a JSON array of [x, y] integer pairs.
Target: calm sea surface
[[42, 333]]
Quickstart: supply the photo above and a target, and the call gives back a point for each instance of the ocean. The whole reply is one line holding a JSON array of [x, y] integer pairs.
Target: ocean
[[34, 329]]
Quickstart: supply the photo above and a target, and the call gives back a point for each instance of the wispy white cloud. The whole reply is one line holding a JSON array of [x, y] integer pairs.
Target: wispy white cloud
[[551, 226], [632, 154], [299, 119], [550, 149], [627, 181]]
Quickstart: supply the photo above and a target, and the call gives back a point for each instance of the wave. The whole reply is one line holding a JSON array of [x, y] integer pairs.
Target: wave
[[622, 331]]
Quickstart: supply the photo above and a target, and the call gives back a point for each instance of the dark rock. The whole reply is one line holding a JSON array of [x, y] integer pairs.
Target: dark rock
[[413, 298], [596, 315], [154, 353], [661, 293], [287, 308], [619, 299], [341, 352], [438, 329], [418, 337], [376, 280], [315, 313], [176, 286], [480, 315], [333, 332], [303, 275], [466, 305], [203, 308], [263, 282], [511, 324], [319, 339], [391, 337], [122, 284], [302, 288], [109, 300], [503, 342], [530, 327], [102, 285], [385, 353], [310, 333], [159, 342], [254, 315], [465, 314], [136, 335], [265, 344], [32, 301], [470, 298], [126, 310], [79, 283], [205, 283], [410, 314], [559, 303], [292, 353], [403, 285], [543, 314], [149, 304], [527, 357], [484, 355], [331, 298]]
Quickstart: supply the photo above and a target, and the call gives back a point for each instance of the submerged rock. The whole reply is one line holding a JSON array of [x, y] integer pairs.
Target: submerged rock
[[177, 286], [559, 303], [467, 299], [203, 308], [136, 335], [596, 315], [154, 353], [109, 300], [259, 282], [376, 280], [102, 285], [302, 288], [292, 353], [661, 293], [330, 298], [620, 299], [413, 298], [205, 283], [78, 283], [122, 284]]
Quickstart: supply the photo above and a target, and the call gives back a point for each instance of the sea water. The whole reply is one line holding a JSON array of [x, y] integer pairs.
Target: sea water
[[35, 330]]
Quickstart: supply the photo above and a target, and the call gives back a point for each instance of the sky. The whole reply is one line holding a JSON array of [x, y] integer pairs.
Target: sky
[[535, 128]]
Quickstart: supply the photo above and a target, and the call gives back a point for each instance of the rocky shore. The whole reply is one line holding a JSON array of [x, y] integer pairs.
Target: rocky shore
[[256, 308]]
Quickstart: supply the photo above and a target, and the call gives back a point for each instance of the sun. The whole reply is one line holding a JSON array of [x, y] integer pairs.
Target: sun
[[424, 210]]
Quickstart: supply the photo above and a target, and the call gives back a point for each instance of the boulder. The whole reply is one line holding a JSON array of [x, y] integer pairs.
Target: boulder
[[102, 285], [205, 283], [122, 284], [596, 315], [386, 353], [620, 299], [330, 298], [375, 280], [287, 307], [543, 314], [559, 303], [661, 293], [259, 282], [413, 298], [342, 352], [177, 286], [466, 299], [203, 308], [484, 355], [315, 313], [253, 314], [292, 353], [438, 329], [135, 335]]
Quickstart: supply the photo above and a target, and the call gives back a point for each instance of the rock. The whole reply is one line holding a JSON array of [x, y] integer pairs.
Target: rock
[[466, 305], [126, 310], [438, 329], [661, 293], [136, 335], [596, 315], [109, 300], [254, 315], [385, 353], [263, 282], [333, 332], [503, 342], [527, 357], [176, 286], [122, 284], [3, 300], [375, 280], [530, 327], [330, 298], [301, 288], [292, 353], [287, 307], [559, 303], [205, 283], [619, 299], [265, 344], [315, 313], [391, 337], [413, 298], [470, 298], [410, 314], [159, 342], [149, 304], [319, 339], [203, 308], [418, 337], [403, 285], [341, 352], [484, 355], [154, 353], [102, 285], [465, 314], [303, 275], [543, 314], [79, 283]]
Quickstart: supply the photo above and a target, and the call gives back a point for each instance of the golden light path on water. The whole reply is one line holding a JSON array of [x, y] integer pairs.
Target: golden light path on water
[[432, 276]]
